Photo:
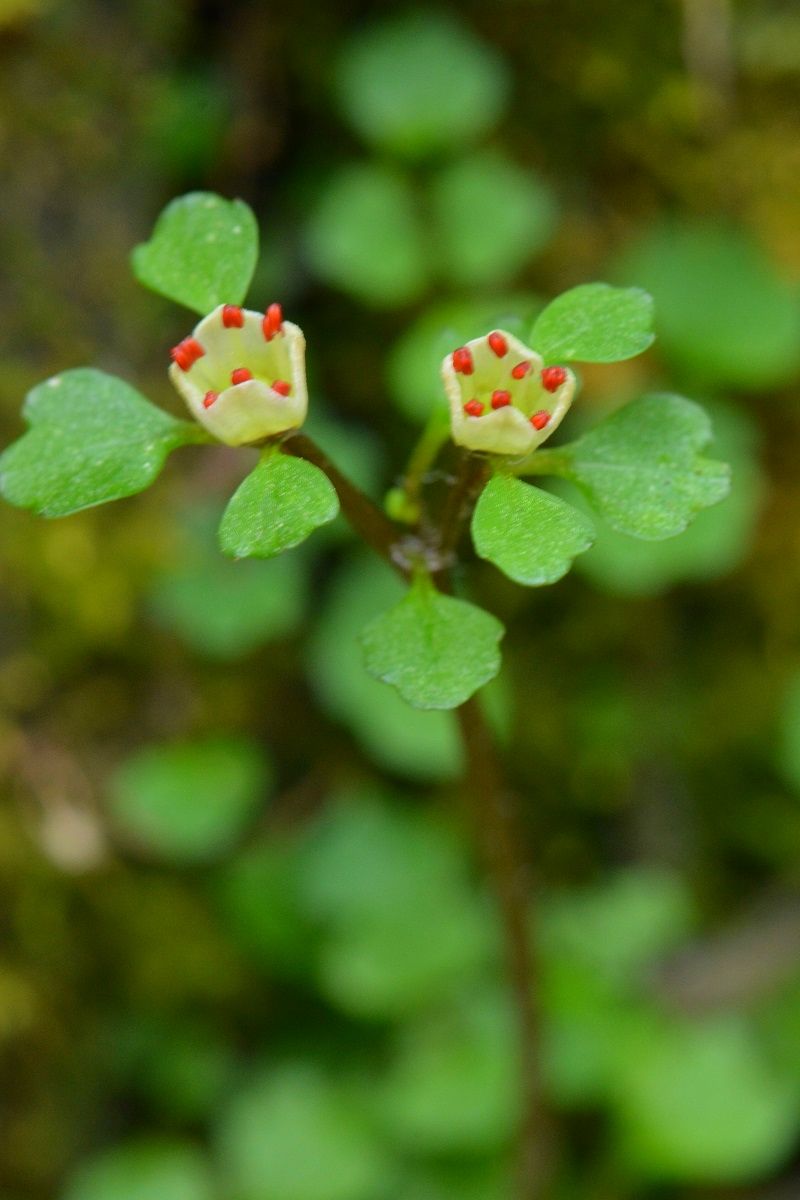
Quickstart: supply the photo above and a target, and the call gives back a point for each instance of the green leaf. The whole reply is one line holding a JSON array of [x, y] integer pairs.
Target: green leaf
[[141, 1170], [491, 216], [588, 1028], [403, 923], [595, 323], [366, 858], [93, 438], [189, 801], [364, 236], [642, 470], [407, 741], [276, 507], [452, 1087], [293, 1134], [531, 536], [701, 1104], [202, 253], [436, 650], [421, 83], [402, 961], [620, 928], [725, 313], [244, 604], [717, 539]]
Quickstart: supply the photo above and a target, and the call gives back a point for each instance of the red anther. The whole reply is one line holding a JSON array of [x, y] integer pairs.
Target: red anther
[[272, 322], [462, 361], [540, 419], [281, 387], [474, 408], [498, 343], [520, 370], [552, 378], [209, 399], [232, 316], [186, 353], [500, 398], [241, 375]]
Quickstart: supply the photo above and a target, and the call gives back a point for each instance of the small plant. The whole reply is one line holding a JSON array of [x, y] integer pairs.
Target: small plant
[[92, 438]]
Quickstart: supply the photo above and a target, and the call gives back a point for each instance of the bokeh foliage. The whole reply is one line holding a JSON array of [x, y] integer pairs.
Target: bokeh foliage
[[247, 951]]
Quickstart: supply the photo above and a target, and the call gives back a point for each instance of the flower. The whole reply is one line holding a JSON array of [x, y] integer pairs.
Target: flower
[[503, 400], [242, 374]]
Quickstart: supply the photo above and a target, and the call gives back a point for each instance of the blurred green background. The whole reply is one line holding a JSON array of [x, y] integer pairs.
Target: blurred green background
[[246, 949]]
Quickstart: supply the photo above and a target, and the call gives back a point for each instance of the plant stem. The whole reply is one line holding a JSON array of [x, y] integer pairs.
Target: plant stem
[[367, 519], [497, 818], [431, 440], [460, 503], [495, 809]]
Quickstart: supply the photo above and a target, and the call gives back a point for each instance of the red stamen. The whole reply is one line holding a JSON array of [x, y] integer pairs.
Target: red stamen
[[241, 375], [186, 353], [520, 370], [272, 322], [462, 361], [209, 399], [474, 408], [498, 344], [552, 378], [281, 387], [500, 398], [232, 316], [540, 419]]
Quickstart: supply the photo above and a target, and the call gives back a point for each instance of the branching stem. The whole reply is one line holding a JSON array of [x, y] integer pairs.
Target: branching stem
[[457, 511], [424, 454]]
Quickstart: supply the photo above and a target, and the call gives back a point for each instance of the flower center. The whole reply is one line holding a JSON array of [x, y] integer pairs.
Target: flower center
[[492, 378], [243, 347]]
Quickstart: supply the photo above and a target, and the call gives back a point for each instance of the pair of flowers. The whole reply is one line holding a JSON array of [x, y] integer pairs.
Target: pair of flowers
[[242, 375]]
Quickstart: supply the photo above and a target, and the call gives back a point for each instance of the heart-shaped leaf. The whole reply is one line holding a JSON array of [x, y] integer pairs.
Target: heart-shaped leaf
[[434, 649], [265, 1132], [92, 438], [595, 323], [424, 746], [642, 468], [491, 216], [728, 315], [530, 535], [420, 84], [202, 253], [276, 507], [189, 801], [365, 237], [702, 1101]]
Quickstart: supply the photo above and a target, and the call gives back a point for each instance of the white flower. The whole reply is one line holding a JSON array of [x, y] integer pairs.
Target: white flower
[[502, 399], [242, 374]]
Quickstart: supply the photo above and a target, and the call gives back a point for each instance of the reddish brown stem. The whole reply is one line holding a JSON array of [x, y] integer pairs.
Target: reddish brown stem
[[497, 820], [496, 813], [366, 519]]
